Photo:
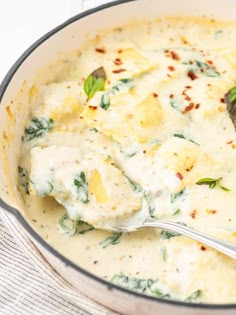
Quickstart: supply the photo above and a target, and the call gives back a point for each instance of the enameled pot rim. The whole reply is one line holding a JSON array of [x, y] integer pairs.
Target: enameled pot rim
[[3, 87]]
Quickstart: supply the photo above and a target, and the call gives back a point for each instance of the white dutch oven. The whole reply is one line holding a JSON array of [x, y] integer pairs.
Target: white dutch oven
[[14, 110]]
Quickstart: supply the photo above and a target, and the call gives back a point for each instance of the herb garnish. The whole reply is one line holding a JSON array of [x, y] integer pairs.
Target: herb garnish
[[37, 128], [24, 178], [95, 82], [212, 182], [194, 297], [82, 187], [74, 227], [112, 240], [147, 286]]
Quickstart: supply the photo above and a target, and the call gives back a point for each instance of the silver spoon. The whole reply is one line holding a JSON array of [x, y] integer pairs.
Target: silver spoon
[[224, 247]]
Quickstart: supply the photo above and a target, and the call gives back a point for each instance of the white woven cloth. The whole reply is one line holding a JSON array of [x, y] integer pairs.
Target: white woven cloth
[[28, 285]]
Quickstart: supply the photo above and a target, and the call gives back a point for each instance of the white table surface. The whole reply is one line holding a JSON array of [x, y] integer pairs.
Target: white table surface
[[24, 21]]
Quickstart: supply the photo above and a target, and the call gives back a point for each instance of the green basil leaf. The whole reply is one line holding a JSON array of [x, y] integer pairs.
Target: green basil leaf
[[232, 95], [95, 82]]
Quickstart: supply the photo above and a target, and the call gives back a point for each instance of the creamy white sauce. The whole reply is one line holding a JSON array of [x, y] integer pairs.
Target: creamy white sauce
[[165, 128]]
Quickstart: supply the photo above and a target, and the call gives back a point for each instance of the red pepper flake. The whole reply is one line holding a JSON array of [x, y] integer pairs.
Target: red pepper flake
[[190, 62], [203, 248], [171, 68], [154, 94], [210, 62], [222, 100], [100, 50], [209, 84], [188, 98], [188, 86], [119, 70], [92, 107], [188, 108], [120, 51], [197, 106], [194, 213], [171, 96], [211, 211], [174, 55], [192, 75], [229, 142], [118, 62], [180, 176]]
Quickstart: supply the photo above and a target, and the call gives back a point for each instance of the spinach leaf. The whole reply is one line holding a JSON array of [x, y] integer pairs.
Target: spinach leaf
[[165, 234], [73, 228], [118, 87], [37, 128], [151, 206], [173, 197], [176, 212], [135, 186], [194, 297], [168, 234], [24, 178], [179, 135], [82, 187], [112, 240], [95, 82], [147, 286], [208, 70]]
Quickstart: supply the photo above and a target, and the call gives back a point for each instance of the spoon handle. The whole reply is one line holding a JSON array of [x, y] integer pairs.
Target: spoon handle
[[226, 248]]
